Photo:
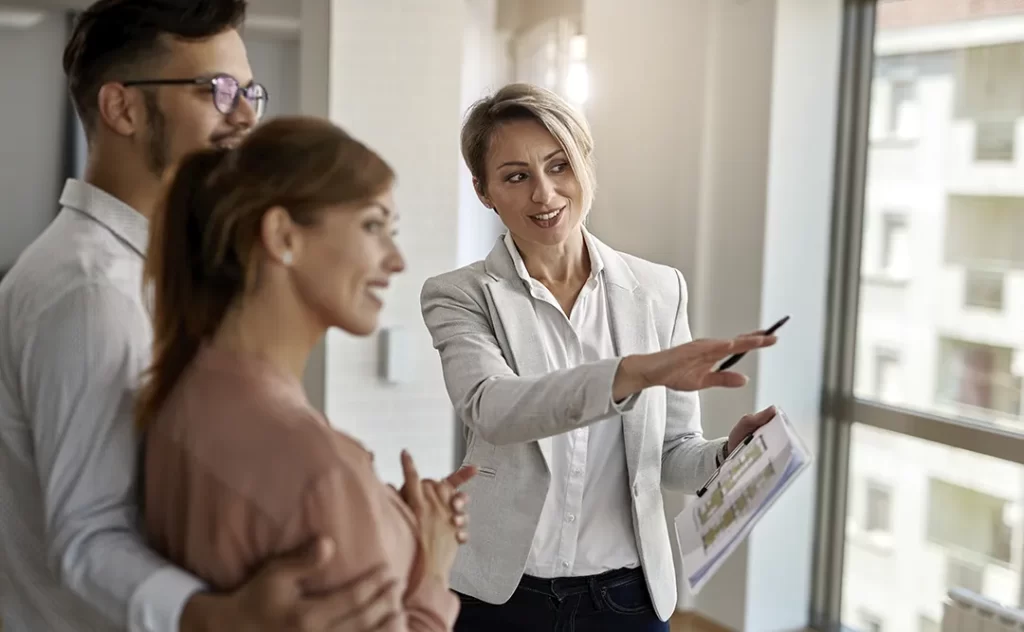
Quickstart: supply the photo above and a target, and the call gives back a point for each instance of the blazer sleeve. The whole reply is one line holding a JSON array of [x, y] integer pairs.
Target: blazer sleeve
[[350, 505], [687, 459], [500, 406]]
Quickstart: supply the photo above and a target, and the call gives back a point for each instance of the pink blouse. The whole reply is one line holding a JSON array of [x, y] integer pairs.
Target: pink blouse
[[239, 467]]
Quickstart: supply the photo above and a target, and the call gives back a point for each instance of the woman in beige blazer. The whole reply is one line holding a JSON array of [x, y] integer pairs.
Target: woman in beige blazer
[[572, 367]]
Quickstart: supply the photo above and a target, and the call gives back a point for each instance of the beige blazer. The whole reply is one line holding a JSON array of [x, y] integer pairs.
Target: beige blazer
[[483, 325]]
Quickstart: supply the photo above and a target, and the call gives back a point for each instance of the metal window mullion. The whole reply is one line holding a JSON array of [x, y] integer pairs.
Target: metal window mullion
[[963, 435], [850, 175]]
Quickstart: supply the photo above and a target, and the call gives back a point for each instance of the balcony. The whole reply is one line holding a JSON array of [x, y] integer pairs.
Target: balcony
[[986, 157]]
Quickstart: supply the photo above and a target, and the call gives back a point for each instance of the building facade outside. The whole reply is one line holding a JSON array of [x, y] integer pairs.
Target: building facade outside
[[941, 315]]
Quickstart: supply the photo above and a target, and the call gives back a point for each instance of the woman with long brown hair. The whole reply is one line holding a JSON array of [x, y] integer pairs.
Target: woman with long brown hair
[[259, 250]]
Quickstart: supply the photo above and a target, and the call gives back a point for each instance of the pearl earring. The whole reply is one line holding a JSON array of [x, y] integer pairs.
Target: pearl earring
[[287, 258]]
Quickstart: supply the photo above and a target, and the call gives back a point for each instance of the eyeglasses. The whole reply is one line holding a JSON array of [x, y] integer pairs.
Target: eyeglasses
[[225, 90]]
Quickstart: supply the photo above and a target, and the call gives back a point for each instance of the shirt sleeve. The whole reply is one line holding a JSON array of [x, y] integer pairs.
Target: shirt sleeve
[[80, 369]]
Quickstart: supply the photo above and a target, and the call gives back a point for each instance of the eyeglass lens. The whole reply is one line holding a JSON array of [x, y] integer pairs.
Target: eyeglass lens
[[226, 92]]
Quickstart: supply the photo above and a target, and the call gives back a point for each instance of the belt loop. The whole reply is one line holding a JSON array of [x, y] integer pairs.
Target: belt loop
[[595, 594]]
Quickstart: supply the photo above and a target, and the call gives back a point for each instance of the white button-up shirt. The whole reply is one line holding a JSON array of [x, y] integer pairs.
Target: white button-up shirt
[[586, 525], [74, 339]]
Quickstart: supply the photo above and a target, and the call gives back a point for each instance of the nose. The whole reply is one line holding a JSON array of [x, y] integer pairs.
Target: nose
[[394, 262], [244, 116], [543, 190]]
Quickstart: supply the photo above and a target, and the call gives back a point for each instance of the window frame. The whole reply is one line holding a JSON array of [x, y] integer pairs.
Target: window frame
[[840, 408]]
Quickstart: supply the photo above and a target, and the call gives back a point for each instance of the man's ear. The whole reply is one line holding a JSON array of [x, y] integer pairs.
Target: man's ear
[[120, 109]]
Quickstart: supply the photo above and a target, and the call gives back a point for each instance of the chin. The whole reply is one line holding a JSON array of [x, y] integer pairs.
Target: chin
[[361, 327]]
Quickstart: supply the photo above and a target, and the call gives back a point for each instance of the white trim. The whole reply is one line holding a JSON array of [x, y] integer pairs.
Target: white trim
[[273, 25], [950, 36], [19, 19]]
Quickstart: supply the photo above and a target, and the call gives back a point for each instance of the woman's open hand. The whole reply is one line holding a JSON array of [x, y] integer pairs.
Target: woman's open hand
[[686, 367]]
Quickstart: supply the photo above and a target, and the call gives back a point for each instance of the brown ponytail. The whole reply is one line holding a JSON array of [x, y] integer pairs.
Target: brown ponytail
[[187, 306], [202, 241]]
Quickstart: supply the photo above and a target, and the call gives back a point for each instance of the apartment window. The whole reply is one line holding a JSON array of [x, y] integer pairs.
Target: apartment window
[[895, 251], [964, 574], [978, 376], [969, 521], [994, 141], [903, 110], [988, 82], [984, 289], [888, 376], [983, 231], [878, 508]]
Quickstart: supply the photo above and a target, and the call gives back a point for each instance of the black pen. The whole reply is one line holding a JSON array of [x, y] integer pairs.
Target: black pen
[[704, 489], [736, 357]]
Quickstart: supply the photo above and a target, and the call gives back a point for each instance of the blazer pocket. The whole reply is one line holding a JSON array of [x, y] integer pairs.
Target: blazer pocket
[[486, 472]]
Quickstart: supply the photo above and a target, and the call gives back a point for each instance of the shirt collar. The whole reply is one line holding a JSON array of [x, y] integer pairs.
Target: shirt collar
[[596, 262], [125, 222]]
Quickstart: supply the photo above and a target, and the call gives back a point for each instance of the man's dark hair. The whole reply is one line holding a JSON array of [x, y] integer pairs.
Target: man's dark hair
[[113, 37]]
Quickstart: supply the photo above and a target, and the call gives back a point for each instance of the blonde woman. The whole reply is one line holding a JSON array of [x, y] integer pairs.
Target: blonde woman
[[572, 368]]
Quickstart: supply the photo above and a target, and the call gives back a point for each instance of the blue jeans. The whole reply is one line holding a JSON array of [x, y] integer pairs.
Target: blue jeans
[[616, 600]]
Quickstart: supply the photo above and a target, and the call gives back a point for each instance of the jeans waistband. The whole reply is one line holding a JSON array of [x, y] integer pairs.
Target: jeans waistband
[[562, 587]]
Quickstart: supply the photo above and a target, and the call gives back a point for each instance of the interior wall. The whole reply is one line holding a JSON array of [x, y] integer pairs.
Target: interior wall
[[404, 103], [31, 131], [275, 63]]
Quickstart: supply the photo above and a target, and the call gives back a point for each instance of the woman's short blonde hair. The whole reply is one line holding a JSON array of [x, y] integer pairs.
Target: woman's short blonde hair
[[519, 101]]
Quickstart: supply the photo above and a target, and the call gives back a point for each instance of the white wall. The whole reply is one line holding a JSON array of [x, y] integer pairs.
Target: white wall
[[714, 127], [485, 68], [275, 63], [33, 102], [404, 101]]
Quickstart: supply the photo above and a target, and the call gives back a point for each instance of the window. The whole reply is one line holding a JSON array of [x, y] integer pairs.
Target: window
[[888, 378], [967, 520], [964, 574], [977, 378], [984, 289], [925, 380], [577, 83], [878, 508], [984, 231], [994, 140], [895, 252], [903, 110]]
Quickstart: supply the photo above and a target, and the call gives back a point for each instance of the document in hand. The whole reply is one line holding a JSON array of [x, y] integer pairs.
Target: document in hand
[[736, 497]]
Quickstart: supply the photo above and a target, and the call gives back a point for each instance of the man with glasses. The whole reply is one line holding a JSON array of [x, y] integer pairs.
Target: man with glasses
[[152, 80]]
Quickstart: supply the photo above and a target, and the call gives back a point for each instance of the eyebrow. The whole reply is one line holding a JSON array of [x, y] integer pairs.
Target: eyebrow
[[387, 211], [519, 163]]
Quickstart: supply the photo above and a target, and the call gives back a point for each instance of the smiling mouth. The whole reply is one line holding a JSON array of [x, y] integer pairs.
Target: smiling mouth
[[548, 219], [377, 293]]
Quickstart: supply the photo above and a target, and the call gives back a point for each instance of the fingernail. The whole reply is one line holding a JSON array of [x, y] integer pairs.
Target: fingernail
[[459, 504]]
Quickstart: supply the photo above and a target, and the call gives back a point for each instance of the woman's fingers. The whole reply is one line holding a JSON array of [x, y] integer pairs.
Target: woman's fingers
[[413, 486]]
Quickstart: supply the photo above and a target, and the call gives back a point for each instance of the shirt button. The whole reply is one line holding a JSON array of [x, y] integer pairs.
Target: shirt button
[[577, 471], [565, 564], [570, 518]]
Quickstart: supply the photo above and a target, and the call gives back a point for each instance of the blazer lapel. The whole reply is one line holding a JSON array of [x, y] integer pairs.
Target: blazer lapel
[[514, 306], [632, 328]]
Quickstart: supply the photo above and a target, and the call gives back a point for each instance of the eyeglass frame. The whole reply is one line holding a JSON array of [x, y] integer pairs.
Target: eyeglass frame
[[212, 81]]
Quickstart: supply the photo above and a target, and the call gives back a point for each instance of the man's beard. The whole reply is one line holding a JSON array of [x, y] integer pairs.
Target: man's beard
[[157, 152]]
